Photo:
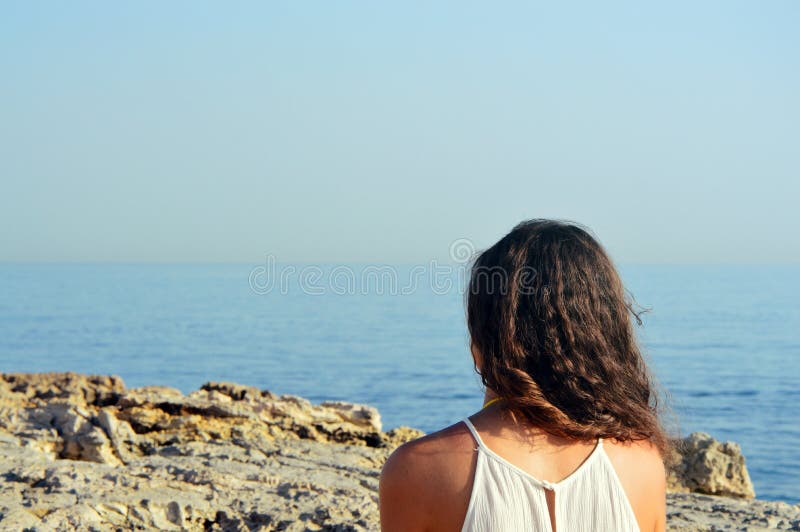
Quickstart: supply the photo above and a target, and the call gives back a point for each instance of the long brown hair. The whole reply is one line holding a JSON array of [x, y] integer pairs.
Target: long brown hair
[[551, 321]]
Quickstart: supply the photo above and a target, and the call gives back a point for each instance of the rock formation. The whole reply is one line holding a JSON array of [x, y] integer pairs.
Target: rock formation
[[84, 452], [701, 464]]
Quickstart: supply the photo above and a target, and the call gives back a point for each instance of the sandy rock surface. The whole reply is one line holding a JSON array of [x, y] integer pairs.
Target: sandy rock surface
[[83, 452]]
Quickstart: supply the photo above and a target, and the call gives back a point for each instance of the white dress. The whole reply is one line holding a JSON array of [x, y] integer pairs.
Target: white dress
[[505, 498]]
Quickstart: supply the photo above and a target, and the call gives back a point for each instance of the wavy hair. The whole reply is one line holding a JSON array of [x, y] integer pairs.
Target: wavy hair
[[552, 324]]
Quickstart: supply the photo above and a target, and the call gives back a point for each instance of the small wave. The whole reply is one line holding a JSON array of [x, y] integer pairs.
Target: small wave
[[464, 396], [693, 347], [724, 393]]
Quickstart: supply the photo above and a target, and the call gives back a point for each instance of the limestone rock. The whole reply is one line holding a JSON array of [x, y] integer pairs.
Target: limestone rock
[[359, 415], [704, 465], [400, 435], [692, 512], [96, 418], [65, 387]]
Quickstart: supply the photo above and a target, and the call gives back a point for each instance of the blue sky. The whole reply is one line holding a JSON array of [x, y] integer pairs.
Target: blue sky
[[370, 131]]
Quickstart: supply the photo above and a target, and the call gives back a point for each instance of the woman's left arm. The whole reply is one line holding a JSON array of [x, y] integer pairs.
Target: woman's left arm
[[402, 497]]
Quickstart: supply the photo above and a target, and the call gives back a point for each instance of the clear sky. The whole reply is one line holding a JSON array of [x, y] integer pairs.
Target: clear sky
[[377, 131]]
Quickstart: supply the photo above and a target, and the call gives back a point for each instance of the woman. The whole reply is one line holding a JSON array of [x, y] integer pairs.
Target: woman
[[569, 438]]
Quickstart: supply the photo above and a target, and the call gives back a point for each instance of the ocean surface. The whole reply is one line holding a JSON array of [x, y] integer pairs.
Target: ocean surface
[[724, 341]]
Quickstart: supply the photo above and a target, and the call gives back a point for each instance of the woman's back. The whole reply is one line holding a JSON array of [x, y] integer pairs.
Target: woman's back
[[504, 496], [482, 475]]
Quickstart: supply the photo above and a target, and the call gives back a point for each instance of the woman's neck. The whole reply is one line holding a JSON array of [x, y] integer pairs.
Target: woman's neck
[[489, 396]]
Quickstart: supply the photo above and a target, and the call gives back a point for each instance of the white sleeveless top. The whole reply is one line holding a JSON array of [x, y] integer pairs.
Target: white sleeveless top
[[506, 498]]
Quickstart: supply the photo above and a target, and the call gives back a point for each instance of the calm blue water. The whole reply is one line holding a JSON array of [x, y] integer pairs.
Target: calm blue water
[[723, 340]]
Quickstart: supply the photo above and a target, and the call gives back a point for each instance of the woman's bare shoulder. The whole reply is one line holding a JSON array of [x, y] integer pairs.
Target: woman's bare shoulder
[[640, 468], [642, 456], [424, 480], [426, 456]]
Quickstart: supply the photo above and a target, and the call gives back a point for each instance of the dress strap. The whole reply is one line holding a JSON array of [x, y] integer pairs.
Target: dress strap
[[474, 432]]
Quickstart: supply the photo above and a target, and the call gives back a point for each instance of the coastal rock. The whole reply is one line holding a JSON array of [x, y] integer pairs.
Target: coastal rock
[[82, 452], [359, 415], [702, 464], [692, 512], [400, 435], [97, 419], [73, 388]]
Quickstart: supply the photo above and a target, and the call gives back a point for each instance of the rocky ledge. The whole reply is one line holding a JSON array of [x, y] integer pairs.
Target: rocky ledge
[[83, 452]]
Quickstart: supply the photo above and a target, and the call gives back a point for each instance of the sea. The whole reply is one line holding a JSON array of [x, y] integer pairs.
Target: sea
[[722, 340]]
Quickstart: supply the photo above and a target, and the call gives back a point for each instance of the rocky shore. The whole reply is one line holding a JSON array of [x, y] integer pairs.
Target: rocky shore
[[84, 452]]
